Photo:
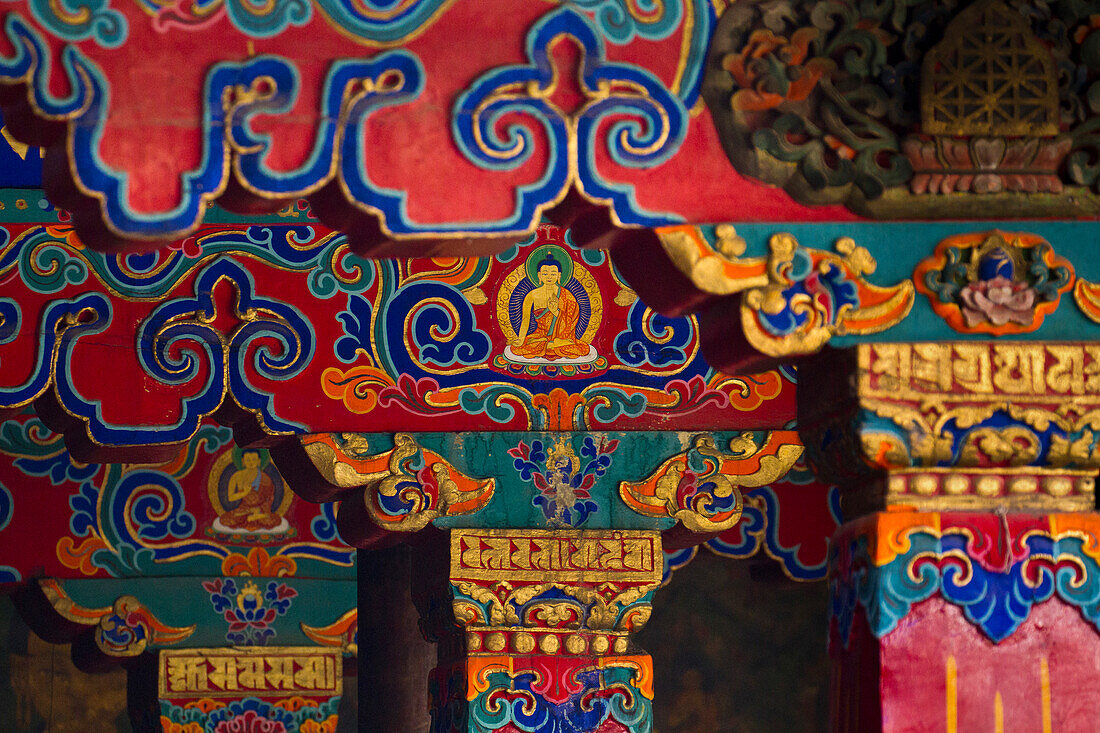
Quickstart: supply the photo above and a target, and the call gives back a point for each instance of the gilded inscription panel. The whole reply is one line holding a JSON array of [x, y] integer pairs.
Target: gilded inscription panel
[[620, 556], [280, 672]]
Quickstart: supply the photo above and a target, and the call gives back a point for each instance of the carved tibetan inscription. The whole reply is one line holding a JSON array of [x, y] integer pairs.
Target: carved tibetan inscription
[[201, 673], [621, 556], [969, 424]]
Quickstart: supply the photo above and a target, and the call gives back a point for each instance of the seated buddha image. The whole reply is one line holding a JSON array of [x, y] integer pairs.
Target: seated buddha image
[[549, 315], [244, 493]]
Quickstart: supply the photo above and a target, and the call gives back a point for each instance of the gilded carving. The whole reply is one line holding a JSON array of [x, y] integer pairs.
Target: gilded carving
[[124, 629], [700, 487], [240, 672], [562, 592], [965, 110], [967, 425], [406, 487]]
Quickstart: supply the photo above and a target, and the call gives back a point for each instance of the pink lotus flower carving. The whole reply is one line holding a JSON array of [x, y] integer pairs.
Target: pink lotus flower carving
[[250, 722], [998, 301]]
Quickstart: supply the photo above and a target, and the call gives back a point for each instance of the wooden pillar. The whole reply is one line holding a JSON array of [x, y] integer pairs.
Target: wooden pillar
[[966, 583], [531, 610], [394, 658], [534, 627]]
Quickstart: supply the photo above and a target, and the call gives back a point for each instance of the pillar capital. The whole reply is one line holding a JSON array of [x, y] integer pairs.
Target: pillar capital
[[540, 625], [285, 689], [956, 426]]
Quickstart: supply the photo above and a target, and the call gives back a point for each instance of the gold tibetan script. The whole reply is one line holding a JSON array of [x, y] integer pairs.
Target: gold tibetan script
[[978, 371], [242, 672], [557, 556]]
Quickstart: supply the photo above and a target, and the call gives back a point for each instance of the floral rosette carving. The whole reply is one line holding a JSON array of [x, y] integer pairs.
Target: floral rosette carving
[[993, 282], [701, 487]]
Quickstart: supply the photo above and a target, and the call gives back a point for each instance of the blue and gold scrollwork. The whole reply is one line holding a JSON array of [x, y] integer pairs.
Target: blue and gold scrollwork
[[651, 339], [79, 20], [439, 325], [643, 126], [135, 520], [515, 700], [47, 260], [178, 334], [232, 91], [62, 322]]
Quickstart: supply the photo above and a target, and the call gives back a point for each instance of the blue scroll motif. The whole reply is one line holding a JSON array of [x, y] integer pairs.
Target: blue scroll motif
[[997, 602], [323, 526], [641, 128], [651, 339], [652, 133], [514, 700], [48, 263], [395, 76], [357, 330], [153, 503], [441, 326], [83, 503], [63, 321], [79, 20], [31, 62], [179, 333]]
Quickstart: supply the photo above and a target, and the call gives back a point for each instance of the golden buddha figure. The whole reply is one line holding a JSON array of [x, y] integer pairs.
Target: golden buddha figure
[[548, 327], [245, 498]]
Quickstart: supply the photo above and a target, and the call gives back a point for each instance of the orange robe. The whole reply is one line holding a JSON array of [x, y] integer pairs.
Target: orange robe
[[254, 510], [549, 327]]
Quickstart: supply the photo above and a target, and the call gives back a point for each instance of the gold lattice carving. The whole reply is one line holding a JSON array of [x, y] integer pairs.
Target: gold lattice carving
[[989, 76]]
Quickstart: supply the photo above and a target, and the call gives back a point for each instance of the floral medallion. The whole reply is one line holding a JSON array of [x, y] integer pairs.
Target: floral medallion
[[993, 282]]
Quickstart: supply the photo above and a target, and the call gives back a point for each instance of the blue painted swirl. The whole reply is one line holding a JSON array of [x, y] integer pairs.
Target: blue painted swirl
[[79, 20], [441, 326], [153, 503], [651, 339], [180, 334]]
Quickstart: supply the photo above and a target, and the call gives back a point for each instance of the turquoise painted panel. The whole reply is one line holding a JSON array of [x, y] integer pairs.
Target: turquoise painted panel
[[899, 247], [240, 610], [560, 480]]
